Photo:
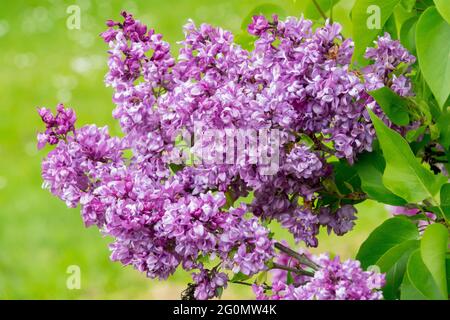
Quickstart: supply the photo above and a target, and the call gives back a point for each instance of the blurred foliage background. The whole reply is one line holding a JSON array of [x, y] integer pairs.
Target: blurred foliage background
[[42, 63]]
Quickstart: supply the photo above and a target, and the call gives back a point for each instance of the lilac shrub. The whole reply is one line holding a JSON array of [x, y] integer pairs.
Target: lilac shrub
[[163, 214]]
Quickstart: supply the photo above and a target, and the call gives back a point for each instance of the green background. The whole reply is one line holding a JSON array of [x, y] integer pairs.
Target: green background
[[42, 63]]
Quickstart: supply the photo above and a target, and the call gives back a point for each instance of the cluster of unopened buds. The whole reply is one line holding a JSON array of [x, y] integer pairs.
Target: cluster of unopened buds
[[294, 99]]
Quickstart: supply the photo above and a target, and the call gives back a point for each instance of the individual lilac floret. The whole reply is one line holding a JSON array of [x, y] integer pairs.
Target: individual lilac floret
[[57, 126]]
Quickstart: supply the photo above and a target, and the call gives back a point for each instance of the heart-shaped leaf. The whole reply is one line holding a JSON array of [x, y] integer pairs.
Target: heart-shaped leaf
[[408, 5], [404, 175], [408, 34], [370, 167], [395, 107], [418, 283], [443, 7], [445, 200], [391, 233], [393, 263], [433, 249], [433, 50]]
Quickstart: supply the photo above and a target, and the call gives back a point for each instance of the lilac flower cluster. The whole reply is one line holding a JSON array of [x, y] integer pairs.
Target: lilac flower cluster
[[156, 227], [334, 280], [341, 222], [163, 215], [207, 284], [80, 161], [387, 56], [57, 126]]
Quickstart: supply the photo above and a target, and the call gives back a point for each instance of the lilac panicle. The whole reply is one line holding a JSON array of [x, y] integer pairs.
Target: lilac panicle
[[57, 126], [334, 280], [297, 80]]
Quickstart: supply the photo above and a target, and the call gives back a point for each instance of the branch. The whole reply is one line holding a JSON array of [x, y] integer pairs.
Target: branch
[[324, 16], [242, 282], [265, 286], [293, 270], [321, 146], [301, 258]]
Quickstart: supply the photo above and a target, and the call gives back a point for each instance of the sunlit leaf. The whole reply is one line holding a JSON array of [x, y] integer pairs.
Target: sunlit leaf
[[433, 50], [391, 233], [404, 175]]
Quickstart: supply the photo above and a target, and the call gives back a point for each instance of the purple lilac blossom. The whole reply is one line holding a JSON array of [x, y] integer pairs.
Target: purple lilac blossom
[[297, 80], [341, 221], [387, 56], [334, 280], [57, 126], [207, 284]]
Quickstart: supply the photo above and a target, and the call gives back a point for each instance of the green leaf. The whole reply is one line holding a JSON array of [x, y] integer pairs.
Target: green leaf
[[433, 50], [433, 249], [408, 291], [261, 278], [414, 134], [401, 15], [422, 5], [176, 167], [408, 34], [219, 292], [306, 140], [290, 278], [443, 7], [404, 174], [311, 11], [391, 233], [363, 31], [240, 277], [443, 124], [445, 200], [395, 107], [391, 27], [408, 5], [267, 10], [370, 167], [447, 266], [346, 177], [393, 263], [245, 40], [418, 282]]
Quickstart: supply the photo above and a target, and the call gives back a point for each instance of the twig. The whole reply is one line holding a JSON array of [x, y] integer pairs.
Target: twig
[[265, 286], [331, 11], [293, 270], [302, 259], [320, 10], [321, 146], [242, 282]]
